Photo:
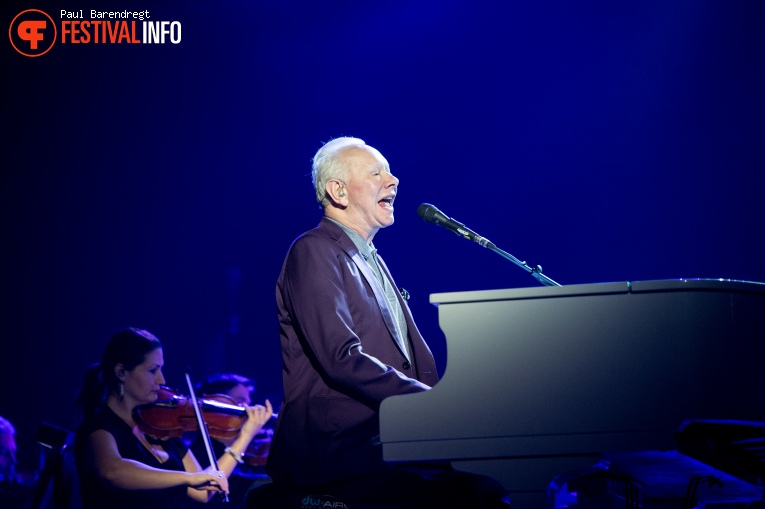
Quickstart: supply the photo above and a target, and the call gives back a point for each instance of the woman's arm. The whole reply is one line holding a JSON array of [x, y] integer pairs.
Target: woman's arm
[[129, 474], [256, 416], [200, 493]]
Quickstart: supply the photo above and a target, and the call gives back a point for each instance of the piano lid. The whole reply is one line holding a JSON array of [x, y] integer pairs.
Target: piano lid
[[664, 285]]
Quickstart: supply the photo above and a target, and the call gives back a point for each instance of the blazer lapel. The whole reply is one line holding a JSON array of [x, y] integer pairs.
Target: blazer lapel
[[382, 301], [347, 245]]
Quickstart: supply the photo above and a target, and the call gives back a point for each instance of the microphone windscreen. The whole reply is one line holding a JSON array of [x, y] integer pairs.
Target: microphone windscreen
[[427, 212]]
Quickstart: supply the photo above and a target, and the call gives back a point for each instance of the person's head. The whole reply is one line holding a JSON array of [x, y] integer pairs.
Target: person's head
[[127, 351], [7, 448], [230, 384], [354, 185], [131, 366]]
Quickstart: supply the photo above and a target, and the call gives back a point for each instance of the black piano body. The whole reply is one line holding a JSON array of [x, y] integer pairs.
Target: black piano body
[[545, 384]]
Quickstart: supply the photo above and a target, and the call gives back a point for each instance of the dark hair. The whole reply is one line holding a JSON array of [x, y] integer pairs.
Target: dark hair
[[222, 383], [128, 347]]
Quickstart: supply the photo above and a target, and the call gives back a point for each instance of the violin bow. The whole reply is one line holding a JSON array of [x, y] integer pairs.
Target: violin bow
[[203, 429]]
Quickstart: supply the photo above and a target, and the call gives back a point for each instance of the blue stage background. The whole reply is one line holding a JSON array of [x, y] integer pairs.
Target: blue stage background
[[160, 186]]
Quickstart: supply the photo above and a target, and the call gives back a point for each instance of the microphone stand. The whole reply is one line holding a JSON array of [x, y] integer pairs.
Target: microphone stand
[[431, 214], [536, 271]]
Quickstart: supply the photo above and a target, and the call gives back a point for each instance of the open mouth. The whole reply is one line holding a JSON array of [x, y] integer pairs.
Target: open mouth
[[387, 202]]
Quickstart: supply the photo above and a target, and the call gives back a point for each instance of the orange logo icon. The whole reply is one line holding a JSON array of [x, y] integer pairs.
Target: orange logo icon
[[32, 33]]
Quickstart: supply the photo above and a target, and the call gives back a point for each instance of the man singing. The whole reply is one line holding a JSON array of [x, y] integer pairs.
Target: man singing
[[348, 341]]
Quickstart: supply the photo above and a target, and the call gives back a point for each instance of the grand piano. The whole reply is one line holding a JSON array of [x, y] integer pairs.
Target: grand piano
[[587, 395]]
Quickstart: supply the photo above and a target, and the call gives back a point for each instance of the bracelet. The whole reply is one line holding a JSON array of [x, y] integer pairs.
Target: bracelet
[[234, 454]]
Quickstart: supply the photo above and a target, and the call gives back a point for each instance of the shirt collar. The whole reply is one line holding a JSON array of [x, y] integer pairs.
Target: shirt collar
[[365, 249]]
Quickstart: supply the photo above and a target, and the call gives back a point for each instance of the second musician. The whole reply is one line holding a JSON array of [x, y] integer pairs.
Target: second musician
[[120, 467]]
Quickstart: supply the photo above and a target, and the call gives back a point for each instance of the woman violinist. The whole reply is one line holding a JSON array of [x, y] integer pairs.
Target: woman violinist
[[251, 469], [119, 466]]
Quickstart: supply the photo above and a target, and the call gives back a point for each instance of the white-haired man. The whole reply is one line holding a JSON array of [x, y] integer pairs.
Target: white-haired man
[[349, 341]]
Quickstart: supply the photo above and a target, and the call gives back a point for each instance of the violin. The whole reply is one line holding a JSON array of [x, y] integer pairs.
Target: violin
[[256, 454], [173, 414]]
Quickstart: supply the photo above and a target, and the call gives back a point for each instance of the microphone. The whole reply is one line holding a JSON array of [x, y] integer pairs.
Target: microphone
[[431, 214]]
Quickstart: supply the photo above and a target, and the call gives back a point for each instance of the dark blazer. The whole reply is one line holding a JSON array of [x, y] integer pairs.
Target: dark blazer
[[340, 361]]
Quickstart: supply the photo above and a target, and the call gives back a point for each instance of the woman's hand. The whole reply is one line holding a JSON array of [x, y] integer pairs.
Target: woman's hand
[[208, 480], [257, 416]]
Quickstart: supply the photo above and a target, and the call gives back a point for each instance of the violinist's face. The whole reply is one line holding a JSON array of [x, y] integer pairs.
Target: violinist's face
[[143, 382], [241, 394]]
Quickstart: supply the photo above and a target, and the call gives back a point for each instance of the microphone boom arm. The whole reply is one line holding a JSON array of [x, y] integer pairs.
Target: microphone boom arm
[[431, 214], [535, 271]]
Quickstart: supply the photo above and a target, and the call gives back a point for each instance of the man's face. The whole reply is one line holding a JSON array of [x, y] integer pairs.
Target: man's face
[[7, 454], [371, 189]]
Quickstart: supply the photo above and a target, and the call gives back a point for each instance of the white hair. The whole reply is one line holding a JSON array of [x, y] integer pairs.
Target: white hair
[[328, 165]]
